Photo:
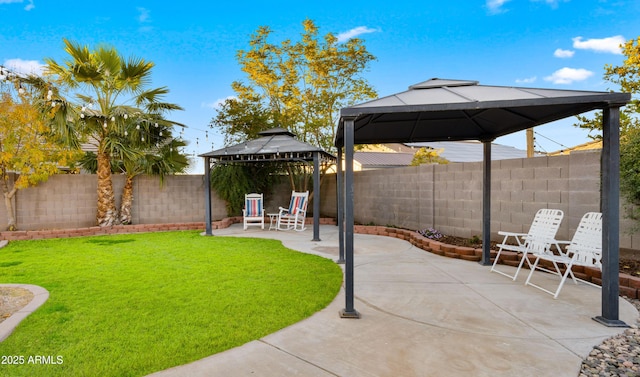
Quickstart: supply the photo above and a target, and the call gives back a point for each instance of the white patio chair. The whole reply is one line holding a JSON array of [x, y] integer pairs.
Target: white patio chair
[[253, 211], [294, 216], [585, 249], [540, 238]]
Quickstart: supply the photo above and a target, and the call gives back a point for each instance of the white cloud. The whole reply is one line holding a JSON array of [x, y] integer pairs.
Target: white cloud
[[495, 6], [28, 7], [144, 18], [217, 103], [569, 75], [560, 53], [24, 66], [527, 80], [609, 44], [344, 36], [553, 3], [143, 14]]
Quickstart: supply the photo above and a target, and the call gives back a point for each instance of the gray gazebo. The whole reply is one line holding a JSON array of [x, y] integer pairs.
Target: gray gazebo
[[274, 145], [443, 110]]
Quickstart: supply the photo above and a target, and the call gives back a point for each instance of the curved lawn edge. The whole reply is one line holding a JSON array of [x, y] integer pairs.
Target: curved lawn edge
[[65, 310], [40, 295]]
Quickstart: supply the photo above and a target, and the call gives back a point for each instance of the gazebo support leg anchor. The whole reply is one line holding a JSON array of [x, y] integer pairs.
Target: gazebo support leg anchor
[[349, 314], [610, 322]]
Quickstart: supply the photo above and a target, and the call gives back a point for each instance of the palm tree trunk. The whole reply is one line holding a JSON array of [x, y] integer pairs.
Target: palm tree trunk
[[107, 213], [127, 200]]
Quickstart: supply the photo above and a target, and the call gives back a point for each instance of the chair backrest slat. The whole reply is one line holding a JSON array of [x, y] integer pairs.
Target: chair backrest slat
[[543, 230], [298, 201], [253, 205], [586, 243]]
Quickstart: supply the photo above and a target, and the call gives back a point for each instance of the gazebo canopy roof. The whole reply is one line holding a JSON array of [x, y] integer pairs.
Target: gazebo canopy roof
[[440, 110], [276, 144]]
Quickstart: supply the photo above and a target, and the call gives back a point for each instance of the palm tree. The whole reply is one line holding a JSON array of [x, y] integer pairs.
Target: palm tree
[[162, 158], [109, 89]]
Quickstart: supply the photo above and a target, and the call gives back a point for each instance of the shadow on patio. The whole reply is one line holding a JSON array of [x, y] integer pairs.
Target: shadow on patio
[[422, 315]]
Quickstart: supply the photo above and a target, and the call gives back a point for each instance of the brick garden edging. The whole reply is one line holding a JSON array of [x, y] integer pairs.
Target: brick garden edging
[[629, 285], [125, 229]]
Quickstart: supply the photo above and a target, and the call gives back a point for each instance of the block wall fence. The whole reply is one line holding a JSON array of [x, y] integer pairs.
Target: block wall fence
[[446, 197], [449, 197]]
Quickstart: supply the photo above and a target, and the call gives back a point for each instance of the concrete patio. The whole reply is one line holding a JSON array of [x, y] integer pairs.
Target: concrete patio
[[422, 315]]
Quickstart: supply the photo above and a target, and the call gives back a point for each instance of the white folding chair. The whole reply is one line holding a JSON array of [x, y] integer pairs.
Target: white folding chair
[[253, 211], [540, 238], [585, 249]]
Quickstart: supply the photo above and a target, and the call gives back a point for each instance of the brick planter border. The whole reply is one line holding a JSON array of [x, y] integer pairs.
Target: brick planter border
[[629, 285]]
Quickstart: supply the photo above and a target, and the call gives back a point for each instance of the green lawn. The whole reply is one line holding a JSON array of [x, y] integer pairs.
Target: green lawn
[[129, 305]]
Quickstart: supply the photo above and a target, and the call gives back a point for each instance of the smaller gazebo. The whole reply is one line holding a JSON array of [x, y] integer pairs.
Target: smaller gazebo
[[274, 145]]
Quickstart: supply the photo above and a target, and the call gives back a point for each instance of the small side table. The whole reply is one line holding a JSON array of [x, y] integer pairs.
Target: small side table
[[273, 221]]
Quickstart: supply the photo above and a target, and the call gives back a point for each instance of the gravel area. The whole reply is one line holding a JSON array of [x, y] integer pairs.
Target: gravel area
[[12, 300], [616, 356]]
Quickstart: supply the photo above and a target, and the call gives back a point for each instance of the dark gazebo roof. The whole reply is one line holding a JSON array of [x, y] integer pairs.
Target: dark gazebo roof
[[440, 110], [276, 144]]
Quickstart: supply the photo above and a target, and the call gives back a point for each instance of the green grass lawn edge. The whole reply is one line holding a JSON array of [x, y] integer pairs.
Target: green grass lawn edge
[[133, 304]]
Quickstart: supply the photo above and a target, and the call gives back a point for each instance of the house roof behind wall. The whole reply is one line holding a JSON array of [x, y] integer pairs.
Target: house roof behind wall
[[376, 160], [470, 151]]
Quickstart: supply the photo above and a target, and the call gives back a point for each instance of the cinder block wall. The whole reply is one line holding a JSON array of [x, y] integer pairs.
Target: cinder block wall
[[449, 197], [446, 197], [69, 201]]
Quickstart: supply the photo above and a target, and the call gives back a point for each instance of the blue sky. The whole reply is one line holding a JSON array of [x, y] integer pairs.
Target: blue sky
[[560, 44]]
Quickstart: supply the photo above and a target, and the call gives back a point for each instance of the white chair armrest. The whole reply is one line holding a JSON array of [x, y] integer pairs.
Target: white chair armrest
[[511, 234]]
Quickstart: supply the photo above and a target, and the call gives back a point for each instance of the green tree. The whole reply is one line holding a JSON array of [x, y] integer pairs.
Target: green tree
[[27, 147], [627, 76], [299, 86], [233, 181], [428, 156], [111, 94]]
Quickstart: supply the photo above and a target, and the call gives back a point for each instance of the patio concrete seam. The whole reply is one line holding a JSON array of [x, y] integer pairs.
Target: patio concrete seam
[[391, 314], [297, 357]]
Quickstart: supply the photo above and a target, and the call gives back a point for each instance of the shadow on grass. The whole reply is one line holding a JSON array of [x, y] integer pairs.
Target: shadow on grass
[[104, 242]]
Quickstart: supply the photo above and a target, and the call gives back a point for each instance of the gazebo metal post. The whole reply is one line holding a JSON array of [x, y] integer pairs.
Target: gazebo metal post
[[316, 196], [207, 198], [349, 311], [486, 204], [340, 200], [610, 201]]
